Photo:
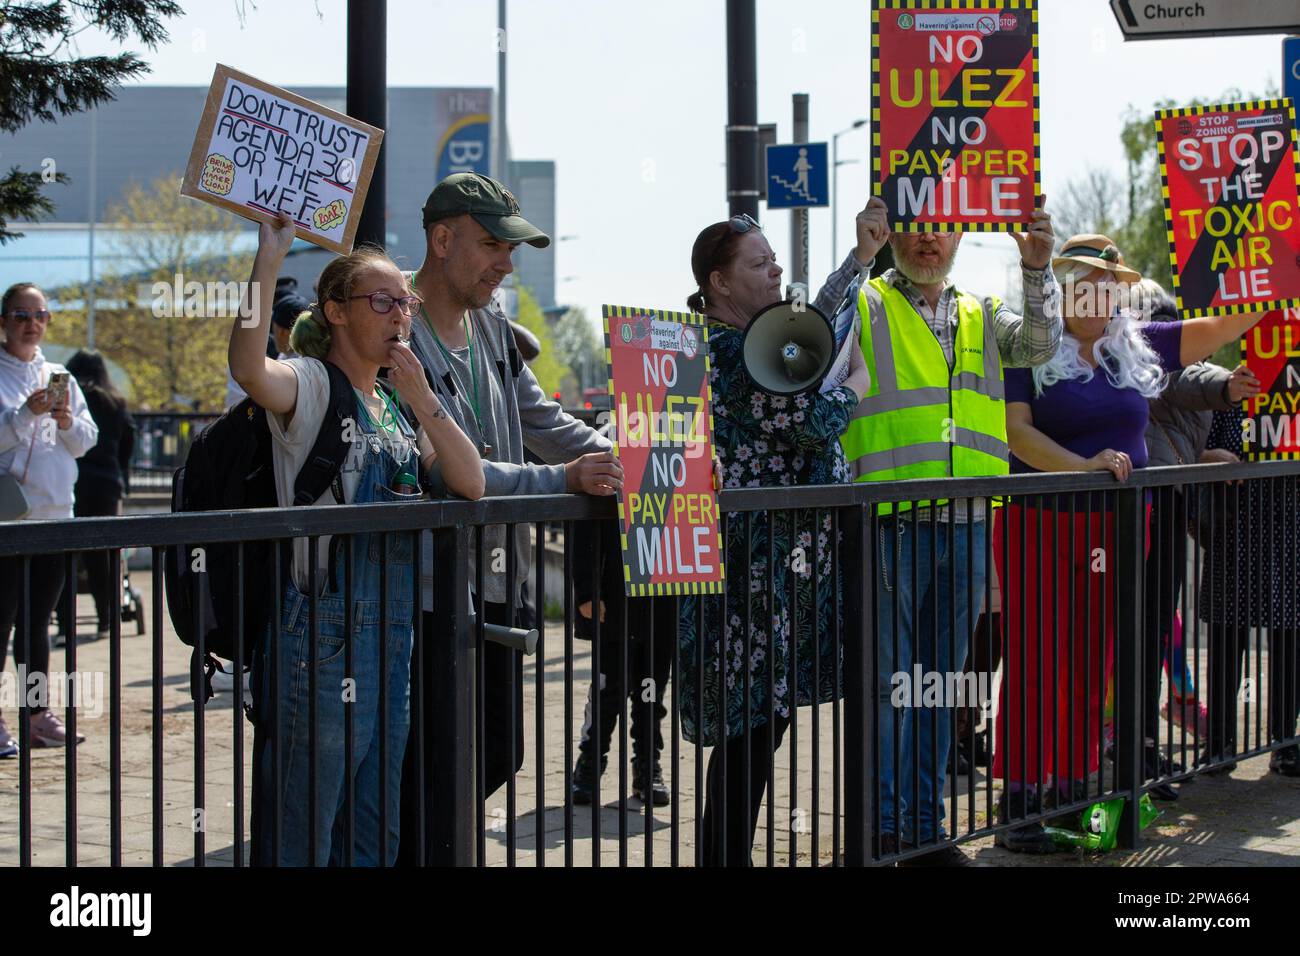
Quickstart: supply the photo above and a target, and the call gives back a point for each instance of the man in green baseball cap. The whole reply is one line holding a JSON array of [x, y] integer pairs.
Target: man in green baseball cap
[[472, 227], [489, 203]]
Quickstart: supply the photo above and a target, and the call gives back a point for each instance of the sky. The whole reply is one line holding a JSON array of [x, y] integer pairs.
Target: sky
[[629, 100]]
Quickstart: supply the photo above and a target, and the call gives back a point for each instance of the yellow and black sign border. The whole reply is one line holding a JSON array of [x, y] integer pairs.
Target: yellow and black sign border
[[877, 183], [1283, 103], [1251, 454], [661, 589]]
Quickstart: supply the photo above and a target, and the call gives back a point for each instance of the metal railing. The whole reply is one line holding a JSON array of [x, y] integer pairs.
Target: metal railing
[[481, 783], [163, 440]]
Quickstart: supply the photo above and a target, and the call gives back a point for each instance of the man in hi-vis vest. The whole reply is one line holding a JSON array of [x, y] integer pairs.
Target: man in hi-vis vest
[[935, 409]]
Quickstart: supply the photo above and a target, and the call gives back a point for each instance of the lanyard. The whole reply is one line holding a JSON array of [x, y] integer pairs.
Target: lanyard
[[391, 423], [485, 449], [388, 420]]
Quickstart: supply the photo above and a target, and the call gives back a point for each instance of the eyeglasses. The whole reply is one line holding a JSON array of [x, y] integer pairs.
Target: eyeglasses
[[24, 315], [383, 303]]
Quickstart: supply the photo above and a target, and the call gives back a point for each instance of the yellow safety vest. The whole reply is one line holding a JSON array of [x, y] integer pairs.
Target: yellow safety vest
[[921, 419]]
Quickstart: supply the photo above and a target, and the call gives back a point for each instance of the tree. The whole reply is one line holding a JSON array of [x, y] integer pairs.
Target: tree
[[173, 347], [40, 78], [1130, 208], [548, 367], [1090, 203], [578, 346]]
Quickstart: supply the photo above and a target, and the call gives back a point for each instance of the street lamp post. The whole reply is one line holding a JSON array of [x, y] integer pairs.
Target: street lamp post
[[835, 190], [742, 109]]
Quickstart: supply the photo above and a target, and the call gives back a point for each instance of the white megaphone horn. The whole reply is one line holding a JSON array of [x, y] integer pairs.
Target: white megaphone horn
[[788, 348]]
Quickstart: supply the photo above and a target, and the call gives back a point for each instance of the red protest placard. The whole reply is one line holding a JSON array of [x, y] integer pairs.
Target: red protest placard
[[1272, 351], [954, 113], [663, 435], [1229, 176]]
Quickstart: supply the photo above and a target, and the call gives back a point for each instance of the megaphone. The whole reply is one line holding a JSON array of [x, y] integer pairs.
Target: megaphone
[[788, 348]]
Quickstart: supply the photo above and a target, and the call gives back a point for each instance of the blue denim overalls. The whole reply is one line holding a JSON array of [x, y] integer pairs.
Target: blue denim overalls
[[377, 469]]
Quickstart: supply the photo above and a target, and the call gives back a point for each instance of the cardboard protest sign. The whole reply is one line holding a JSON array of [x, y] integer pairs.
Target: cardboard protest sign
[[954, 113], [261, 150], [1229, 177], [663, 435], [1272, 351]]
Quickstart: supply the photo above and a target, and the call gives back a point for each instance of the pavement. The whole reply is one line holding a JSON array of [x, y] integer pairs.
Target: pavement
[[1249, 818]]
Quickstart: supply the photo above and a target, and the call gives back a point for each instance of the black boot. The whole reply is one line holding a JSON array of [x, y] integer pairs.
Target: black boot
[[584, 779], [963, 759], [1030, 838], [1070, 819], [1156, 764], [1221, 769], [651, 782], [1285, 761]]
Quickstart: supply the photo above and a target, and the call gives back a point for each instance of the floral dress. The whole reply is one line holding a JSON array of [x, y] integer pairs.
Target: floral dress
[[765, 440]]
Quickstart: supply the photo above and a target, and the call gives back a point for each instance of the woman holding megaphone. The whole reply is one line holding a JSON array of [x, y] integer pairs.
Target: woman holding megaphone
[[762, 439]]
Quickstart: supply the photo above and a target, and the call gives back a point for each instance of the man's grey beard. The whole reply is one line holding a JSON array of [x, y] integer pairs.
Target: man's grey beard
[[924, 275], [471, 300]]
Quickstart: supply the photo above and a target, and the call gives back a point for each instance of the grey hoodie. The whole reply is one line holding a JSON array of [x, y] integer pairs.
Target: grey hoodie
[[530, 420], [1181, 415]]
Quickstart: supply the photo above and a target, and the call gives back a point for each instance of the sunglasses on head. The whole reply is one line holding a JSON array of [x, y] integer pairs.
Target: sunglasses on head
[[743, 223], [739, 225], [382, 302], [24, 315]]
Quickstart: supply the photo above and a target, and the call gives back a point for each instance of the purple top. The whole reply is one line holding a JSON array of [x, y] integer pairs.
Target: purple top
[[1086, 417]]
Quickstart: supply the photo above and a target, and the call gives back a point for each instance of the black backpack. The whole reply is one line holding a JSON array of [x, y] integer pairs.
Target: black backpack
[[228, 467]]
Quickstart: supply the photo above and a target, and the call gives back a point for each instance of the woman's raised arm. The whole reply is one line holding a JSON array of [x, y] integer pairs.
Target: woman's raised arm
[[268, 382]]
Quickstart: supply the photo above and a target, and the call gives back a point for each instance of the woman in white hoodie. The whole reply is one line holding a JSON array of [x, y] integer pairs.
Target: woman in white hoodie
[[40, 443]]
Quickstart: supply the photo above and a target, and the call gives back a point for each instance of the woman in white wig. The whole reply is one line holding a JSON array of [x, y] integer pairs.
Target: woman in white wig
[[1084, 410]]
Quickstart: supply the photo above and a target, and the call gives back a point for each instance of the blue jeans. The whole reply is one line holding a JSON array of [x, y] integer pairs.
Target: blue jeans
[[926, 606], [332, 695], [284, 708]]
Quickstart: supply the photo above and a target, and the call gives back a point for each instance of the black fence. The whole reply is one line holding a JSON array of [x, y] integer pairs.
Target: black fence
[[872, 772], [163, 439]]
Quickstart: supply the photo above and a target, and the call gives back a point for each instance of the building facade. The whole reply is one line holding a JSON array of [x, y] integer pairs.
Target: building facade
[[147, 133]]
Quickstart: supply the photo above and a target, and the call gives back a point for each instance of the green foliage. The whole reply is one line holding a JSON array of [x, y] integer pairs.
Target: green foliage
[[579, 347], [173, 360], [41, 78], [1130, 208], [548, 366]]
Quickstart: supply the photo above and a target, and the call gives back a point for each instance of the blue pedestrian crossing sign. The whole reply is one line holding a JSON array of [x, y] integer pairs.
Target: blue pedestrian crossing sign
[[798, 176], [1291, 72]]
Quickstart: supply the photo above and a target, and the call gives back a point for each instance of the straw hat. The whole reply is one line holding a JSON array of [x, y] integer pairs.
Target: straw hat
[[1097, 252]]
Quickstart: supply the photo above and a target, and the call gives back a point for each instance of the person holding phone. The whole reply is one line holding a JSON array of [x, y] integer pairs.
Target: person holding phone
[[45, 427]]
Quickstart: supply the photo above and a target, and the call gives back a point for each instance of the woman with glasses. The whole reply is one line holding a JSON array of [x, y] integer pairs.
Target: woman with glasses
[[45, 427], [761, 439], [360, 323]]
